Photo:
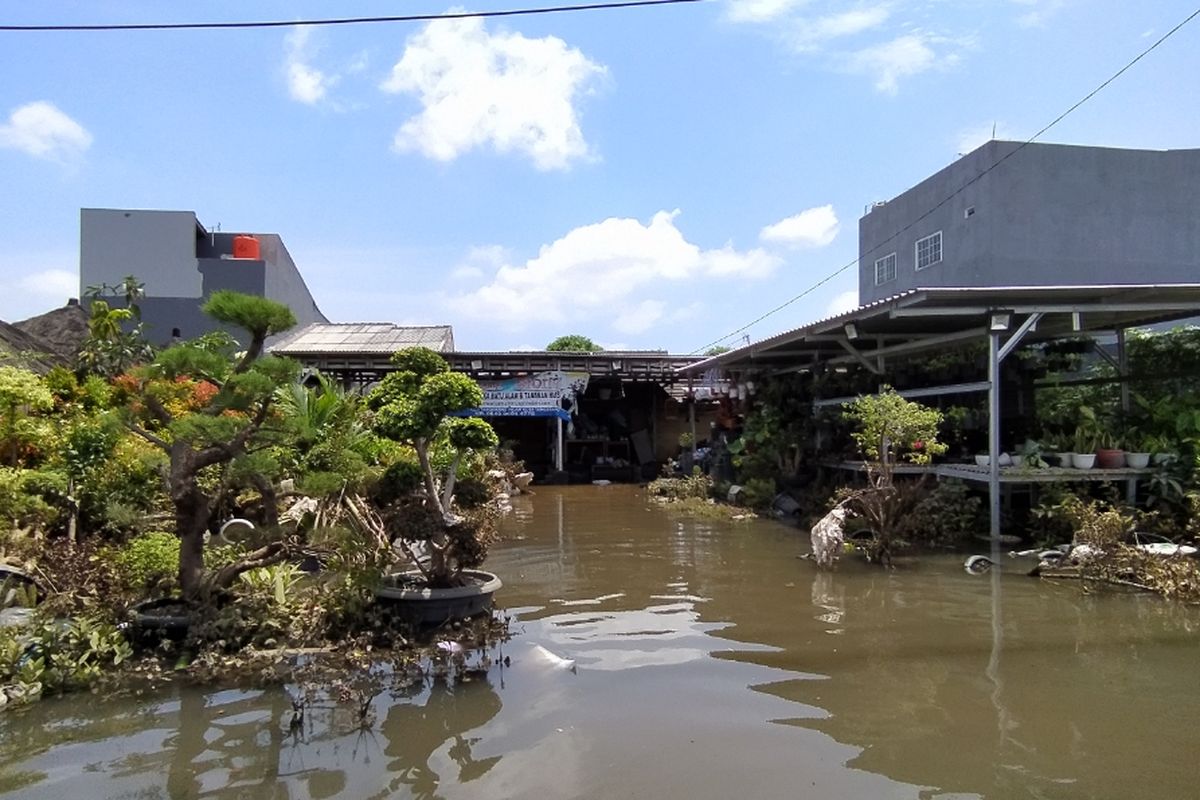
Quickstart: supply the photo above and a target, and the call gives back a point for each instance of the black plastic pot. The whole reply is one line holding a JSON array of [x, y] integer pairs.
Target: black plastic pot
[[419, 604], [154, 620]]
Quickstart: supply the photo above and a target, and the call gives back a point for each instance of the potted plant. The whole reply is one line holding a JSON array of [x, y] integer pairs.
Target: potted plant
[[1030, 454], [1110, 454], [1084, 456], [446, 540], [686, 452]]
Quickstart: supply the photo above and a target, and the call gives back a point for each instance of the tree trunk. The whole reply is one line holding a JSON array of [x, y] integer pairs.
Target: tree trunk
[[191, 522], [192, 509]]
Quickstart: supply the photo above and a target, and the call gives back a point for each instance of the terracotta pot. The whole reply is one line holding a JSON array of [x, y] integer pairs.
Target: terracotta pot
[[1110, 458]]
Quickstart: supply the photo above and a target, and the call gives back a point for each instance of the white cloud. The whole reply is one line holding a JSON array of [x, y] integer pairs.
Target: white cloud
[[971, 138], [887, 63], [42, 131], [479, 262], [809, 34], [1040, 11], [306, 83], [885, 40], [502, 90], [597, 268], [840, 304], [760, 10], [641, 317], [51, 283], [814, 227]]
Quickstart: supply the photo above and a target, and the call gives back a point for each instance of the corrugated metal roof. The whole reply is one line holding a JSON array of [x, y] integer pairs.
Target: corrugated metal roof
[[946, 309], [364, 337]]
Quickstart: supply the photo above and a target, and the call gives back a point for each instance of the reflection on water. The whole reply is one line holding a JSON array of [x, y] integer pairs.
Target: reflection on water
[[709, 662]]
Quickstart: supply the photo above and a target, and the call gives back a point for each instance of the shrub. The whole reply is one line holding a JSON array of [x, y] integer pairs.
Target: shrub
[[148, 560], [696, 486], [944, 516]]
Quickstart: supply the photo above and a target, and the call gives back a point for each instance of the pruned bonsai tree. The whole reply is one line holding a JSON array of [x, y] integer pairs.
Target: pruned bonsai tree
[[416, 406], [212, 438], [889, 429]]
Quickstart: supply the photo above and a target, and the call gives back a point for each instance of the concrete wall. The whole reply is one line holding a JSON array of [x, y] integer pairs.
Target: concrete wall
[[284, 282], [158, 247], [1051, 214]]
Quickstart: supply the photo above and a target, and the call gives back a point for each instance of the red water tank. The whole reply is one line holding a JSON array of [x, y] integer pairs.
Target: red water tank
[[246, 247]]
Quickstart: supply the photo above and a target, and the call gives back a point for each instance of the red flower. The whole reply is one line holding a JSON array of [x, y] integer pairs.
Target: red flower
[[918, 445]]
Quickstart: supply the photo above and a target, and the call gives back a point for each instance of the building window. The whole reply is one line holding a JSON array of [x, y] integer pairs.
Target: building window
[[929, 250], [885, 269]]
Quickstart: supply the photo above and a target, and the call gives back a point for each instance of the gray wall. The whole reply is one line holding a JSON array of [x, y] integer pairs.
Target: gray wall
[[159, 247], [284, 282], [1051, 214]]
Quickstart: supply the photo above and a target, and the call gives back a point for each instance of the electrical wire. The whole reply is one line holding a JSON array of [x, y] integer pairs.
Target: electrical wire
[[175, 26], [956, 192]]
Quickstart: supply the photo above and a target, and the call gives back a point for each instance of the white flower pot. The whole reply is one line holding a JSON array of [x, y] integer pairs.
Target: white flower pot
[[1137, 460], [1083, 460]]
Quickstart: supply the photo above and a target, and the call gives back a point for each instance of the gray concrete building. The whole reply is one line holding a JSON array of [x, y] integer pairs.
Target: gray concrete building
[[1048, 215], [181, 263]]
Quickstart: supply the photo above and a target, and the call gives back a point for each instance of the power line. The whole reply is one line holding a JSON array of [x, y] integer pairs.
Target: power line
[[957, 191], [176, 26]]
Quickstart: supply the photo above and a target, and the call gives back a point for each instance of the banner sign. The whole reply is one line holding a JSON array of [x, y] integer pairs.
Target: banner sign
[[538, 395]]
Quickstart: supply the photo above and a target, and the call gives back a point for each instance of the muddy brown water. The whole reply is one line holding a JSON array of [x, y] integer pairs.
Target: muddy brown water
[[710, 662]]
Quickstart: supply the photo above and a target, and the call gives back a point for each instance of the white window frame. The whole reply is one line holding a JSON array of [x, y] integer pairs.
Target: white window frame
[[878, 261], [917, 251]]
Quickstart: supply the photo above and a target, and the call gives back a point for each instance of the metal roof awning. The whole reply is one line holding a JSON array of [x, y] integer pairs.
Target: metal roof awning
[[336, 338], [929, 319]]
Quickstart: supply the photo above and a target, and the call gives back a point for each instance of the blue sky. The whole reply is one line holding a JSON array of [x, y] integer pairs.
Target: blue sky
[[653, 178]]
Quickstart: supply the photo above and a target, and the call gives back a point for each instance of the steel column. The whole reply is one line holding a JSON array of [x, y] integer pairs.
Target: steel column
[[994, 440]]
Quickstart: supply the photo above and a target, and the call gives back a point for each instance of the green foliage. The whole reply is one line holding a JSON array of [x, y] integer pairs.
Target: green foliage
[[400, 479], [21, 393], [716, 350], [471, 433], [946, 515], [260, 316], [277, 582], [888, 426], [759, 493], [148, 560], [188, 360], [777, 430], [414, 401], [110, 349], [52, 655], [696, 486], [574, 343], [19, 505]]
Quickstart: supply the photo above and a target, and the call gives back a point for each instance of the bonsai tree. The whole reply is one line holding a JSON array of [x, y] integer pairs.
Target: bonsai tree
[[574, 343], [890, 428], [212, 437], [415, 405]]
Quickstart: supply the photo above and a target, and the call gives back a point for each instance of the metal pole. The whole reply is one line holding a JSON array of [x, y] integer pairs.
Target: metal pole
[[692, 416], [1123, 370], [558, 450], [994, 439]]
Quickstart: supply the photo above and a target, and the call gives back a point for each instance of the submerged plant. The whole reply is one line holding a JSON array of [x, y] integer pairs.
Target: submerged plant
[[888, 429]]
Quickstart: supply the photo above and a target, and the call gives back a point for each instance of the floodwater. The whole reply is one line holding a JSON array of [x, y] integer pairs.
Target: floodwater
[[710, 662]]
